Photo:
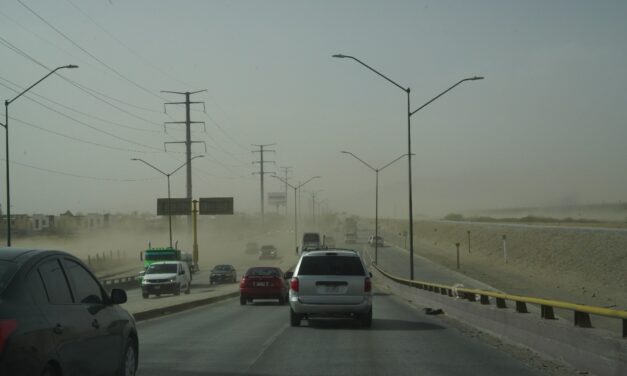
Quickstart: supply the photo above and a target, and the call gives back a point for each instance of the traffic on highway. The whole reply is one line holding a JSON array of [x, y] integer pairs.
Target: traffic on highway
[[275, 187], [355, 325]]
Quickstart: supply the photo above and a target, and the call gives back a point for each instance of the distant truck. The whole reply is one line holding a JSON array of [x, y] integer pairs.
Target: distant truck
[[156, 254], [311, 241], [350, 230]]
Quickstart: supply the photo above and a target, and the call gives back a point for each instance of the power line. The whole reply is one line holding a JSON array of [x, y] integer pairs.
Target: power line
[[75, 175], [234, 141], [46, 41], [91, 126], [89, 53], [85, 89], [79, 139], [145, 61], [74, 110]]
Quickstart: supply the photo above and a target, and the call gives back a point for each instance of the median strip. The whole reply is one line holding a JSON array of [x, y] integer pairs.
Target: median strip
[[174, 308]]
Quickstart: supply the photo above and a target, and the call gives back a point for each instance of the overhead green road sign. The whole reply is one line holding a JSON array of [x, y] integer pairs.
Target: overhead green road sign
[[178, 206], [216, 205]]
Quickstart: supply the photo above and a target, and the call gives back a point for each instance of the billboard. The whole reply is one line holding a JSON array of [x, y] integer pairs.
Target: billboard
[[277, 198], [179, 206], [216, 205]]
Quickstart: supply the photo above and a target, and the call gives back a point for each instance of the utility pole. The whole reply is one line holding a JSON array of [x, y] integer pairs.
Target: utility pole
[[261, 172], [188, 136], [313, 207], [313, 204], [286, 169]]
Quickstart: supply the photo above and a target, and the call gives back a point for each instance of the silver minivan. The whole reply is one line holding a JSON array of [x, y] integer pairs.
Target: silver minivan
[[330, 283]]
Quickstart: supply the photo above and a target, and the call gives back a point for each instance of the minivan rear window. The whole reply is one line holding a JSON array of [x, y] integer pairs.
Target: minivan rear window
[[331, 265]]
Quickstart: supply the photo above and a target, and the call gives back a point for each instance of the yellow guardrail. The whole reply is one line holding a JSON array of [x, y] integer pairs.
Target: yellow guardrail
[[582, 312]]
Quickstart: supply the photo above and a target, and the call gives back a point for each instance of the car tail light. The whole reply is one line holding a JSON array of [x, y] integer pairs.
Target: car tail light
[[242, 282], [6, 328], [367, 285], [294, 284], [278, 281]]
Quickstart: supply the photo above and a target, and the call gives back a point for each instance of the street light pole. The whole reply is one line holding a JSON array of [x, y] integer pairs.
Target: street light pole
[[376, 200], [6, 127], [409, 154], [168, 179], [295, 188]]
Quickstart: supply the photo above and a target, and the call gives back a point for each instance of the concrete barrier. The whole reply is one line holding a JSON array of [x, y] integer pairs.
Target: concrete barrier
[[588, 349]]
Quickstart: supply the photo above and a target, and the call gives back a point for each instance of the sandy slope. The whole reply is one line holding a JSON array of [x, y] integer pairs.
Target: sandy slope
[[582, 265]]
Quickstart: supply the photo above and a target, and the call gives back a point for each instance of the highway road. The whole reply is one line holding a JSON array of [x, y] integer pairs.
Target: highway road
[[228, 339]]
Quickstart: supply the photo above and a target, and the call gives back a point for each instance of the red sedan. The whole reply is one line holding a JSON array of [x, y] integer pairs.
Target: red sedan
[[263, 282]]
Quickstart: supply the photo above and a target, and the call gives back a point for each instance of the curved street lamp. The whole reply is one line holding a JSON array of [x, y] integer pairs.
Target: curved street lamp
[[409, 154], [168, 177], [6, 127], [295, 188], [376, 200]]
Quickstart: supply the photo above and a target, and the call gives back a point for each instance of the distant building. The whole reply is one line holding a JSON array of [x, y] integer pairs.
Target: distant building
[[94, 221], [42, 222], [67, 222], [21, 224]]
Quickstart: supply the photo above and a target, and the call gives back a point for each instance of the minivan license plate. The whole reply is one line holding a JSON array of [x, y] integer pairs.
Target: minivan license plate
[[333, 289]]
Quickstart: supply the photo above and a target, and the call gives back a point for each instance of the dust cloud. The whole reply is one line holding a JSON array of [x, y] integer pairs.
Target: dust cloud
[[221, 240]]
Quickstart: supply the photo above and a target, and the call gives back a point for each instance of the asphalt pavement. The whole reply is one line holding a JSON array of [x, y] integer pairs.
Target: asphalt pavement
[[228, 339]]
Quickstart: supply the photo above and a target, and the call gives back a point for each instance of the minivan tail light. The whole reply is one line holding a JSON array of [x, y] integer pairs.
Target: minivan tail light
[[294, 284], [367, 285], [6, 328]]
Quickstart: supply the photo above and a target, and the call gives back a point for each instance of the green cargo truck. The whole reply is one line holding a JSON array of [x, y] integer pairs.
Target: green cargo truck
[[156, 254]]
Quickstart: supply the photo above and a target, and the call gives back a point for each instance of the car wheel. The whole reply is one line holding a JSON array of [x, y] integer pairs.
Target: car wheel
[[129, 361], [49, 371], [366, 319], [178, 290], [189, 288], [145, 295], [242, 300], [294, 318]]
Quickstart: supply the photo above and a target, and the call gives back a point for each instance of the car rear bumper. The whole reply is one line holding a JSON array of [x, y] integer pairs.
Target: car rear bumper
[[330, 309], [265, 293], [221, 278]]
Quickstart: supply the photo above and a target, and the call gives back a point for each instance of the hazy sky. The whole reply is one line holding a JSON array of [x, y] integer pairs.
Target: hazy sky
[[548, 125]]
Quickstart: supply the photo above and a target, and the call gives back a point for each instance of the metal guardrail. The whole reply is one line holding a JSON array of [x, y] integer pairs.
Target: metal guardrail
[[118, 281], [581, 312]]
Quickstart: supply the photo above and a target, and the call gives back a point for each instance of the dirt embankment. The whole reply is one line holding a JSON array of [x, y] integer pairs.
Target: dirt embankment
[[582, 265]]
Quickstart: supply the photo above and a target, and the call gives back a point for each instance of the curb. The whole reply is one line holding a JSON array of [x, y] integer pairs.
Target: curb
[[164, 311]]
